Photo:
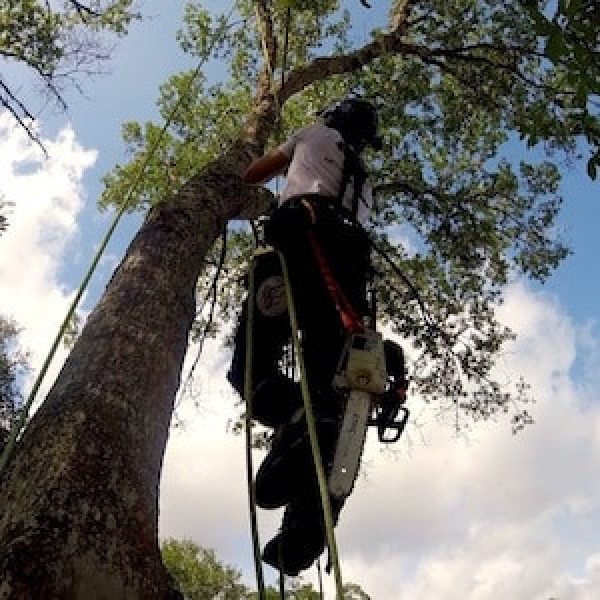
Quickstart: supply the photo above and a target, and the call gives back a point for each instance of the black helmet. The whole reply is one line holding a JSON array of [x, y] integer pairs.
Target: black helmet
[[356, 120]]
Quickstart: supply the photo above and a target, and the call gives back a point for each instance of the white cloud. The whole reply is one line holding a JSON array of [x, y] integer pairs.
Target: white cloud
[[47, 196], [581, 588], [493, 516]]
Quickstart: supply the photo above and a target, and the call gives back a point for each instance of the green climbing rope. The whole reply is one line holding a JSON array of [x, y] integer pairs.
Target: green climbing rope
[[137, 178], [249, 468], [320, 578]]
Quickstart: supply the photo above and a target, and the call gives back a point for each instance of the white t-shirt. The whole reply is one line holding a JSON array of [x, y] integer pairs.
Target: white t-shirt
[[316, 168]]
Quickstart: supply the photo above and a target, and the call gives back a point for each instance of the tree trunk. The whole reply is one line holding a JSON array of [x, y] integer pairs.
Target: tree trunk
[[80, 495]]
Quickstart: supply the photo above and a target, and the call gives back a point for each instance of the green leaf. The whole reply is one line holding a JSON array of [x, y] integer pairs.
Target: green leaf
[[555, 46], [572, 8]]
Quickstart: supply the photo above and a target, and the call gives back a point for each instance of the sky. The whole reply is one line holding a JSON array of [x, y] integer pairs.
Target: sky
[[487, 516]]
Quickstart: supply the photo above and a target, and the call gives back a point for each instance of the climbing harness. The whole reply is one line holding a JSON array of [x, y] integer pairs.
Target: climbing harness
[[350, 319]]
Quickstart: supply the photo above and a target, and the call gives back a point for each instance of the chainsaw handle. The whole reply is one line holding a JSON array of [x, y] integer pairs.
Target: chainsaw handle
[[390, 432]]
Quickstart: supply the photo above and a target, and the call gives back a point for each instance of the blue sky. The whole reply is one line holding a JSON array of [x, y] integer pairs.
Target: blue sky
[[577, 279], [488, 517]]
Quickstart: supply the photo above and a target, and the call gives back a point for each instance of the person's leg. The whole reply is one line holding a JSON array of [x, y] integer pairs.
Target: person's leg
[[288, 469], [345, 251], [287, 475], [274, 395], [302, 537], [289, 462]]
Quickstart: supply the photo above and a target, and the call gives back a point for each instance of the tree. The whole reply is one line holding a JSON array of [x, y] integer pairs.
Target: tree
[[56, 44], [13, 362], [455, 80], [199, 574], [352, 591], [295, 591]]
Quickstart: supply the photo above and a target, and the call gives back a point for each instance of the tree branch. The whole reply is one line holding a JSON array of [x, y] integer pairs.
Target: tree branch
[[262, 119], [10, 101], [395, 187], [84, 11], [464, 54], [324, 67], [268, 40]]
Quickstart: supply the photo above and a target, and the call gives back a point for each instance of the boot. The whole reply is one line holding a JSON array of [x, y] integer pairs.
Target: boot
[[288, 469], [301, 539], [275, 400]]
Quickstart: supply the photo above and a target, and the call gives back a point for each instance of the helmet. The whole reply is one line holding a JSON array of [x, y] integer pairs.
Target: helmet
[[356, 120]]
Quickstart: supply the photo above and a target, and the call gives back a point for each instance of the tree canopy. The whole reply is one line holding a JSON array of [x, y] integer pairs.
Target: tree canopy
[[198, 572], [570, 34], [457, 84], [200, 575], [58, 43]]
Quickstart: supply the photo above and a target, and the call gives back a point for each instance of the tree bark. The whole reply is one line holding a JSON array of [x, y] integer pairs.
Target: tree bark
[[80, 496]]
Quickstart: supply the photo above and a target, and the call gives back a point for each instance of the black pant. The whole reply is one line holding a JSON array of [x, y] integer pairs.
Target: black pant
[[345, 246]]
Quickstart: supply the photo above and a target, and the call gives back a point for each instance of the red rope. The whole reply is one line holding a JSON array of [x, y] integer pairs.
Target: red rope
[[349, 317]]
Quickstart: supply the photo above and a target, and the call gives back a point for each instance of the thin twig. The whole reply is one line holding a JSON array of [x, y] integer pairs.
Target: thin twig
[[9, 104]]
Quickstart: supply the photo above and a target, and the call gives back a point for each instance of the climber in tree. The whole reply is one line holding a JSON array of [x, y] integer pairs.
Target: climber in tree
[[322, 206]]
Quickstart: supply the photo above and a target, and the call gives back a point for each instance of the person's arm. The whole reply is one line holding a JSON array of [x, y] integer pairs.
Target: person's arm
[[266, 167]]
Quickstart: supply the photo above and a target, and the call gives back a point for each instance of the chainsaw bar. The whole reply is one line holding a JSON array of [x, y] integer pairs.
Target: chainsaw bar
[[351, 440]]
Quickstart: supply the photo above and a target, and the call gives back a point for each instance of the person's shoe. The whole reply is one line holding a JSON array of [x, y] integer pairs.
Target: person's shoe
[[288, 469], [302, 536]]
